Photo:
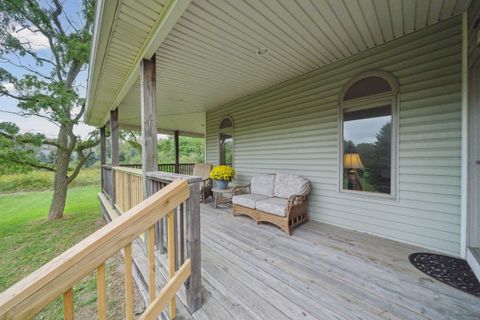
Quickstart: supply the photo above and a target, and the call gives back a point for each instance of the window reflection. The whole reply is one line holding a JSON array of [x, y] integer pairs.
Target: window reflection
[[367, 149], [226, 149]]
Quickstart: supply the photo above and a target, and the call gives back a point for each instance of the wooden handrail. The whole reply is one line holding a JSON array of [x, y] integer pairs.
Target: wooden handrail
[[132, 171], [30, 295]]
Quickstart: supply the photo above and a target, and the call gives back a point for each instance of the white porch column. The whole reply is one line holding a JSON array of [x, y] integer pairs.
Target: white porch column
[[149, 120]]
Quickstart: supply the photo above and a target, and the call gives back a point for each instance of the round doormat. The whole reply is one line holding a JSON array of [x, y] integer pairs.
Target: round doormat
[[452, 271]]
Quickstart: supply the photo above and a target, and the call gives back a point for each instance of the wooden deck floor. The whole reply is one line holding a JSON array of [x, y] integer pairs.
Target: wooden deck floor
[[321, 272]]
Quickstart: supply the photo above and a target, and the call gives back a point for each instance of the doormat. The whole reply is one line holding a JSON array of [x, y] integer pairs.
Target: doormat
[[452, 271]]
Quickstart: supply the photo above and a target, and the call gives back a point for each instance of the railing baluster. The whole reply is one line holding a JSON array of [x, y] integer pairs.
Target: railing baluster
[[151, 262], [161, 232], [68, 305], [181, 234], [128, 283], [101, 294], [175, 237], [171, 258]]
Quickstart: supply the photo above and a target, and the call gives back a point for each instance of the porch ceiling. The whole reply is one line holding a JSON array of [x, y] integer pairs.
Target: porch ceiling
[[209, 54]]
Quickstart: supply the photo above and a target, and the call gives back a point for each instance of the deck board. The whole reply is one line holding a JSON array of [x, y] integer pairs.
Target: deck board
[[254, 271]]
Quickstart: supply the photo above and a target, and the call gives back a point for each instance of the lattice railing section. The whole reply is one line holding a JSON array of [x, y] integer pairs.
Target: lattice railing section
[[58, 277]]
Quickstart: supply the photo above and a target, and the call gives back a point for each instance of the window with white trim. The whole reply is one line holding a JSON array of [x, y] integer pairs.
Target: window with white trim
[[368, 127]]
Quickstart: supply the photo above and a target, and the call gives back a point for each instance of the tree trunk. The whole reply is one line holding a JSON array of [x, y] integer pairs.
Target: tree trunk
[[60, 184]]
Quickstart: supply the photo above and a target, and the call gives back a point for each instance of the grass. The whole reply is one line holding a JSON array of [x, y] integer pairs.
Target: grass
[[28, 240], [43, 180]]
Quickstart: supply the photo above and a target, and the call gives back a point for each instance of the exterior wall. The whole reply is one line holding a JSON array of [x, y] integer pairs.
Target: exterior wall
[[473, 221], [294, 127]]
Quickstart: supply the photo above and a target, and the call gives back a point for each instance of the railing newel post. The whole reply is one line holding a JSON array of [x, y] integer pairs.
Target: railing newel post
[[193, 285]]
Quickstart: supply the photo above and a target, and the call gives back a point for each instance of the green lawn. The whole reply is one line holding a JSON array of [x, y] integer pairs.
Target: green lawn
[[28, 240]]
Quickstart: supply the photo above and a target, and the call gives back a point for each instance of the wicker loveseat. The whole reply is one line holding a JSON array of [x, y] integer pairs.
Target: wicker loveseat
[[279, 198]]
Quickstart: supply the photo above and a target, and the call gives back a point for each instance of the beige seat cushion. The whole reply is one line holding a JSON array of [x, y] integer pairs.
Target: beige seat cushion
[[276, 206], [248, 200], [287, 185], [263, 184]]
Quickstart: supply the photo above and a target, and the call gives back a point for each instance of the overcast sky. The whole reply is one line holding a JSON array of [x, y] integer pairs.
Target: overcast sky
[[364, 130], [39, 43]]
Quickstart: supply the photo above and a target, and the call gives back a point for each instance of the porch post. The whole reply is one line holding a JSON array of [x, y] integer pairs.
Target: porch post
[[114, 137], [177, 153], [115, 149], [103, 146], [149, 121], [194, 283], [103, 155]]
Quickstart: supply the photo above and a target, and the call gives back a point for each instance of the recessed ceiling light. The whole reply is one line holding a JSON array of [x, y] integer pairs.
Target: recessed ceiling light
[[261, 51]]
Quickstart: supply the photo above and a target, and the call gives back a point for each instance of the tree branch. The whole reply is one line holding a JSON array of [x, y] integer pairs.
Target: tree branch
[[33, 165], [31, 114], [56, 14], [48, 142], [80, 113], [27, 68], [8, 94]]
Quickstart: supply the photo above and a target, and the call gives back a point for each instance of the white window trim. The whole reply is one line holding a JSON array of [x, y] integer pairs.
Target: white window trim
[[368, 102], [229, 131]]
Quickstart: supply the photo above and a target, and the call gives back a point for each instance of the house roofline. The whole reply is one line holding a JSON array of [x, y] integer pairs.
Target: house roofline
[[105, 13]]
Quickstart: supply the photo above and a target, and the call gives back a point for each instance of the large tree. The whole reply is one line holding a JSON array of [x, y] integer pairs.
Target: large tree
[[45, 84]]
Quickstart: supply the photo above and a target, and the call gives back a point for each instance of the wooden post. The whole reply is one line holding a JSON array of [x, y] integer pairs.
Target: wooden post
[[128, 283], [115, 148], [149, 121], [194, 298], [101, 293], [103, 155], [177, 152], [68, 305], [171, 258]]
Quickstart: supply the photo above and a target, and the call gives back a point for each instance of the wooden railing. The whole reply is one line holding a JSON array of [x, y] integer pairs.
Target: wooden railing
[[57, 278], [183, 168], [128, 188], [107, 180]]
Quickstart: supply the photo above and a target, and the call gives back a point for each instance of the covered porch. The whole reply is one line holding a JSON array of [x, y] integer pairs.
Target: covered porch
[[254, 271], [251, 271], [279, 74]]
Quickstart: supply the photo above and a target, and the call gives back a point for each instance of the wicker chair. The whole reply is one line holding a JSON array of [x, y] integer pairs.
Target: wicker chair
[[203, 170]]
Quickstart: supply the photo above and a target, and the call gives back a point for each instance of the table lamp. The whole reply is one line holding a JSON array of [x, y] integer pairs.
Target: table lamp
[[353, 162]]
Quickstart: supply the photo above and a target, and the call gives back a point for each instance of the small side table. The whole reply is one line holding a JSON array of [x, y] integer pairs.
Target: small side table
[[222, 196]]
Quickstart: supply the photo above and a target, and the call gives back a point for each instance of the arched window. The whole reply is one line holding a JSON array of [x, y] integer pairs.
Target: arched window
[[368, 124], [225, 141]]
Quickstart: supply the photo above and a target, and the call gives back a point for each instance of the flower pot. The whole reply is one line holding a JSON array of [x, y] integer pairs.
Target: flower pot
[[222, 184]]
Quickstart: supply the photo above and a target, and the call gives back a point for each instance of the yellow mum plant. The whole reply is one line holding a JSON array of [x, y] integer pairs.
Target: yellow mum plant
[[225, 173]]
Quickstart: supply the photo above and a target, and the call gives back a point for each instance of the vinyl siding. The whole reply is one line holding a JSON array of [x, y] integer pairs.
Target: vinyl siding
[[473, 222], [294, 127]]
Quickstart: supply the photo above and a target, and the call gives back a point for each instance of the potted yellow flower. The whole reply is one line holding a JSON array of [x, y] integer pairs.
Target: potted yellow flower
[[222, 174]]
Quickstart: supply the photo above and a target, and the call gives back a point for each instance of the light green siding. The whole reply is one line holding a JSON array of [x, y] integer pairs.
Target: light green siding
[[294, 127]]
